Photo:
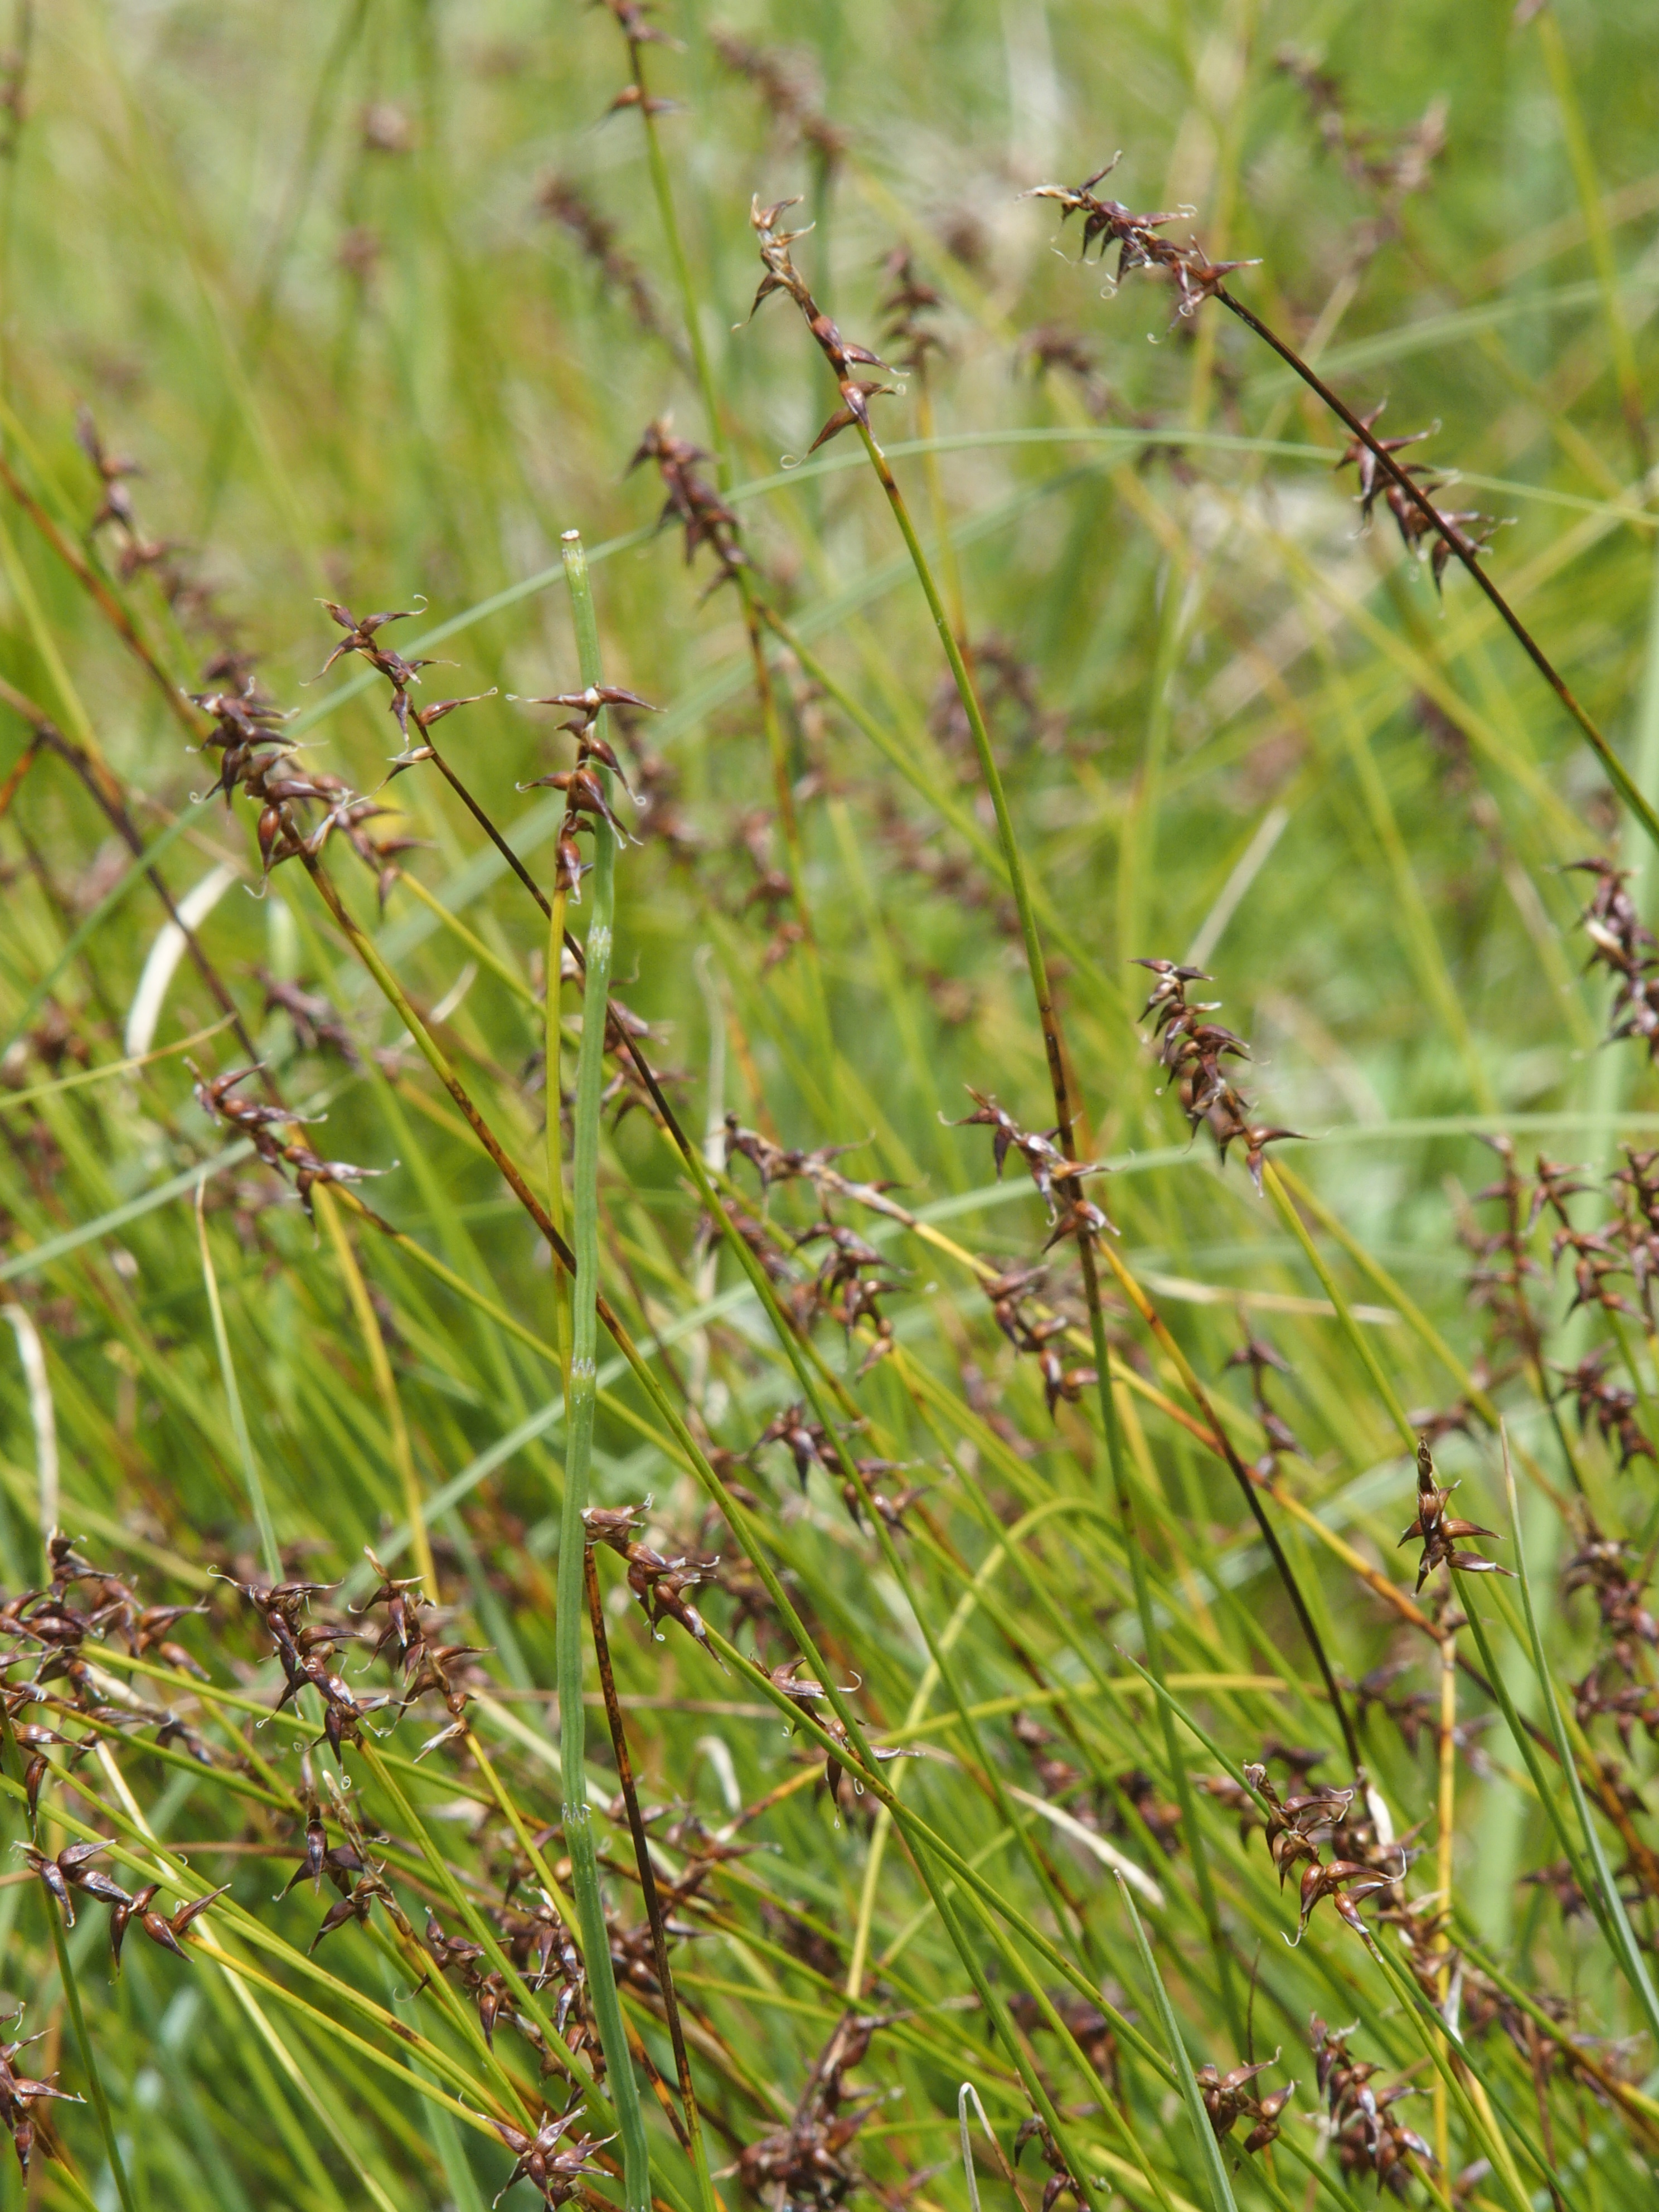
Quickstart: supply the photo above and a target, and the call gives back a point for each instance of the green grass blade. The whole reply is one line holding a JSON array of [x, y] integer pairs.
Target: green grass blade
[[578, 1446], [1215, 2170], [1611, 1904]]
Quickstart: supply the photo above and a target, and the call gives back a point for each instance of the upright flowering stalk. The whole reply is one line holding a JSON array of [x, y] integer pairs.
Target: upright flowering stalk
[[579, 1416]]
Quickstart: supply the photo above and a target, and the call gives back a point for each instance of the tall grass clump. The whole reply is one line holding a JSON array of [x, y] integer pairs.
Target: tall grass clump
[[831, 1204]]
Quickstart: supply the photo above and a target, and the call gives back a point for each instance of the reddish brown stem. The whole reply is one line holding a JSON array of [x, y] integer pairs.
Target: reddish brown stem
[[93, 585], [1458, 544], [489, 829], [653, 1912]]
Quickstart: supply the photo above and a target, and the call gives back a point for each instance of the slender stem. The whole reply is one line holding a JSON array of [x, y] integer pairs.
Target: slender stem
[[269, 1555], [1054, 1048], [745, 1531], [14, 782], [653, 1912], [490, 831], [1462, 547], [931, 469], [553, 1099], [1355, 1334], [662, 191], [1013, 857], [579, 1449], [1461, 2083], [1582, 160], [107, 792], [88, 2059], [1252, 1489], [432, 1052], [1049, 1020], [1444, 1855], [97, 591], [386, 1383], [753, 610]]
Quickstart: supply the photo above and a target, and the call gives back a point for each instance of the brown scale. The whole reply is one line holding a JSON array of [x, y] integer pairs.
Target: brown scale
[[803, 1692], [1228, 2098], [807, 1441], [564, 201], [137, 552], [788, 93], [72, 1875], [843, 355], [1605, 1406], [1259, 1357], [1369, 2139], [552, 2160], [305, 1652], [1300, 1828], [1193, 1050], [1107, 223], [21, 2093], [1609, 1567], [805, 2163], [1621, 944], [586, 799], [659, 1584], [1045, 1163], [261, 1124], [1503, 1265], [1061, 2181], [1439, 1532], [692, 501]]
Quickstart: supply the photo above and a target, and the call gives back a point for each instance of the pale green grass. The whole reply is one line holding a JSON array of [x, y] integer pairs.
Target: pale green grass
[[294, 262]]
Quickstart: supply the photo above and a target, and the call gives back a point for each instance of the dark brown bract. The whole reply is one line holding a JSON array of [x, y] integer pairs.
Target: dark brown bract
[[843, 355], [660, 1584], [552, 2160], [806, 2164], [1439, 1532], [1370, 2138], [1139, 240], [1230, 2097], [1193, 1049]]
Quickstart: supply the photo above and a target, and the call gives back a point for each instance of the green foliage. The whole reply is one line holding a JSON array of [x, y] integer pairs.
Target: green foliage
[[979, 1702]]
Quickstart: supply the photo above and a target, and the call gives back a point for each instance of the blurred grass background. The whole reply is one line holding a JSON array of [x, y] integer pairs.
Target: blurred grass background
[[377, 294]]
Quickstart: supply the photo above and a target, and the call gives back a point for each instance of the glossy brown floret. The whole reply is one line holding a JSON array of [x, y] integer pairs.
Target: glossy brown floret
[[1439, 1532], [1369, 2139], [551, 2159], [1061, 2181], [806, 2163], [1193, 1049], [661, 1585], [1230, 2097], [1108, 223], [841, 354], [803, 1692]]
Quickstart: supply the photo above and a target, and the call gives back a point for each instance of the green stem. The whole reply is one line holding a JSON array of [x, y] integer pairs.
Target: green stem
[[1400, 477], [706, 2197], [94, 2079], [553, 1099], [753, 611], [662, 191], [1221, 2194], [270, 1556], [1351, 1329], [988, 1900], [579, 1447], [1049, 1020], [988, 770]]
